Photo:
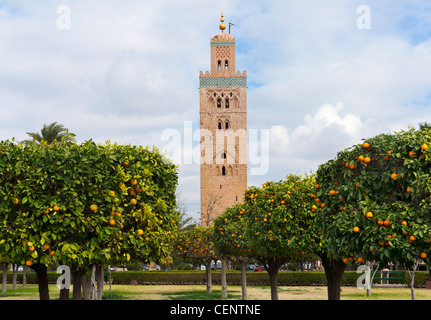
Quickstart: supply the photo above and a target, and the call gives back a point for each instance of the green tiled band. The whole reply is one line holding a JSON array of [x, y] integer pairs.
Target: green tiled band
[[223, 82], [221, 44]]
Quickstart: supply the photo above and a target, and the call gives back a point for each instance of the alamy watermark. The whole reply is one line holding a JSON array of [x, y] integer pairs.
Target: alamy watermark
[[364, 20], [64, 17], [223, 146], [364, 280], [63, 281]]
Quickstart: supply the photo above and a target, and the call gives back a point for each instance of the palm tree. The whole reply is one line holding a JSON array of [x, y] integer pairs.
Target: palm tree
[[50, 133]]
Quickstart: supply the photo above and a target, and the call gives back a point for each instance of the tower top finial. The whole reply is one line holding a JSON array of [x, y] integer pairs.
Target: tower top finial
[[222, 25]]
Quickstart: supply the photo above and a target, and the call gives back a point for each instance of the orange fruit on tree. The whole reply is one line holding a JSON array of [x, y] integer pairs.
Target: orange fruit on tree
[[28, 263], [367, 160], [356, 229], [133, 201], [369, 214], [111, 193], [409, 190], [360, 260], [56, 208], [133, 182], [147, 239], [386, 223], [424, 146], [345, 260], [424, 255], [15, 200], [404, 223], [412, 238], [140, 232], [352, 166], [52, 252], [332, 192], [394, 176], [366, 145], [93, 207], [111, 222], [31, 248], [46, 247], [380, 223], [411, 153]]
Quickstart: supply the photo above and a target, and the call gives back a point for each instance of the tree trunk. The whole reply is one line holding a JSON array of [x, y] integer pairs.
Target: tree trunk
[[4, 279], [42, 279], [412, 277], [87, 285], [100, 280], [334, 270], [24, 275], [209, 279], [223, 278], [14, 275], [77, 276], [64, 294], [93, 282], [243, 280], [273, 273]]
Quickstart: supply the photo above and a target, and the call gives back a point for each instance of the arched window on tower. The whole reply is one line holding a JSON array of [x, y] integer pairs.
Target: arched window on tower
[[219, 125], [226, 125], [223, 155], [219, 103], [226, 65], [227, 103], [219, 65], [223, 171]]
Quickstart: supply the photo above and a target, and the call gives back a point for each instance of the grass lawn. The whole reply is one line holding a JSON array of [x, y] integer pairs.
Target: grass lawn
[[198, 292]]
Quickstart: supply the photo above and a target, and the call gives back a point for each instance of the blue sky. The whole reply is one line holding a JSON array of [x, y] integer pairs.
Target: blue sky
[[127, 70]]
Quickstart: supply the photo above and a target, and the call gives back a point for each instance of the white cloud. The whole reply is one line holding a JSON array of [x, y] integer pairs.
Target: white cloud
[[128, 70]]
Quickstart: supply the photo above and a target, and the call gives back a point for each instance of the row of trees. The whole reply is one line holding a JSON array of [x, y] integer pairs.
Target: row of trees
[[84, 205], [371, 204]]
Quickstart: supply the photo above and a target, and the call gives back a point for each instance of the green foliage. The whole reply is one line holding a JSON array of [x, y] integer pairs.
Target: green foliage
[[279, 221], [388, 176], [229, 233], [65, 195], [195, 245]]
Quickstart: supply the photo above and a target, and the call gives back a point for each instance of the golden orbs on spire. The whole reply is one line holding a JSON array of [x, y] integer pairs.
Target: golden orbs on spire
[[222, 25]]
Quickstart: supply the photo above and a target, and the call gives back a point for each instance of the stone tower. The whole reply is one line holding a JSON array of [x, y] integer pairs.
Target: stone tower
[[223, 130]]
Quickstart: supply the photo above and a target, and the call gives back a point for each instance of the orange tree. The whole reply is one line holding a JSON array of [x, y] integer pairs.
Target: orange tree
[[377, 200], [196, 246], [230, 241], [84, 205], [280, 223]]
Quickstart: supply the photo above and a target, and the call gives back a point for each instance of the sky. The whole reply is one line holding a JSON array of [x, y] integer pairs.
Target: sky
[[321, 77]]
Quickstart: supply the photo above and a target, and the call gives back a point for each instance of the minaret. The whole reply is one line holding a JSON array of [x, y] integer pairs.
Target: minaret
[[223, 124]]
